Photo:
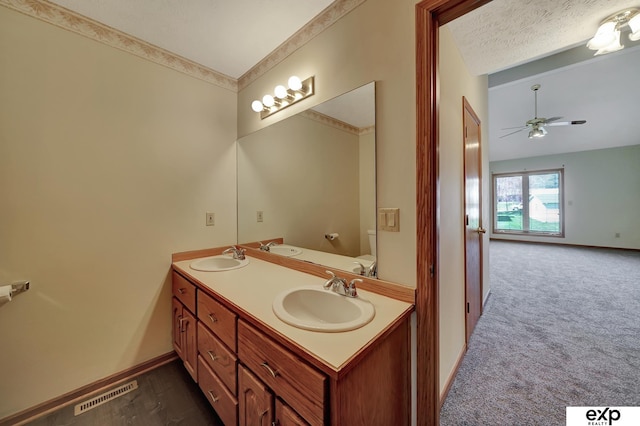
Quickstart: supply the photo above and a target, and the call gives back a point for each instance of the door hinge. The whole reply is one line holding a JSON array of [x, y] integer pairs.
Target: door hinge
[[467, 307], [466, 219], [432, 270]]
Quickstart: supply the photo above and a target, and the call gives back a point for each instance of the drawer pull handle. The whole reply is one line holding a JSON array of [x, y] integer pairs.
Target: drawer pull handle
[[273, 373], [182, 291], [180, 322], [213, 398], [212, 356], [213, 318]]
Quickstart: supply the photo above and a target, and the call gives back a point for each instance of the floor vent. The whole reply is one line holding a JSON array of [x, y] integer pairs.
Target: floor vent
[[105, 397]]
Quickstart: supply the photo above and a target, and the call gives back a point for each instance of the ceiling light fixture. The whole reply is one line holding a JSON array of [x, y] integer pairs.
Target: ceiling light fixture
[[284, 97], [607, 37], [537, 132]]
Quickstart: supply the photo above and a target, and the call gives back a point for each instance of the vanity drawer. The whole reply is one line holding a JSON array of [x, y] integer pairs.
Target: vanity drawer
[[221, 360], [184, 291], [301, 386], [225, 404], [219, 319]]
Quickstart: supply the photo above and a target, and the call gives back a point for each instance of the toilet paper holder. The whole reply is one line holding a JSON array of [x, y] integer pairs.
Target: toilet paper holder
[[19, 287]]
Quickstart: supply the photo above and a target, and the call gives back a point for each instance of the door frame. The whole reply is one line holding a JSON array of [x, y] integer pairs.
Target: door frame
[[430, 14]]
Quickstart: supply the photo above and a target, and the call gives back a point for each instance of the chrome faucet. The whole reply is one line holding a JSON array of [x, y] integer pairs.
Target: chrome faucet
[[340, 286], [267, 247], [237, 253], [371, 271]]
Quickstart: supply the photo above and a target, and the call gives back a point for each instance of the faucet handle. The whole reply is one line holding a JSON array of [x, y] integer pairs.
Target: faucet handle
[[351, 290], [331, 280], [362, 268]]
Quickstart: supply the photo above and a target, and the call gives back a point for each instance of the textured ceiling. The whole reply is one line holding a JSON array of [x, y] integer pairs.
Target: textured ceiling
[[603, 91], [505, 33], [229, 36]]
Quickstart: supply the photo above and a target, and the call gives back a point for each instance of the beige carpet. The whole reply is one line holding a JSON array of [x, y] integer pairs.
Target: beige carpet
[[561, 328]]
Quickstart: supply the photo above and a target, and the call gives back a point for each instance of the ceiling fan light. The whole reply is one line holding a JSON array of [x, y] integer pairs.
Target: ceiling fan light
[[611, 47], [605, 36], [537, 133], [634, 24]]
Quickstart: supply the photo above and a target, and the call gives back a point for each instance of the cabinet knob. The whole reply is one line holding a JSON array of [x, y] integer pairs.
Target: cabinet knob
[[269, 369], [182, 290]]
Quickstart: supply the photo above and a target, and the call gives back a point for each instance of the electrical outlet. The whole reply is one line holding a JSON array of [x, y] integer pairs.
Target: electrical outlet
[[259, 217], [211, 219]]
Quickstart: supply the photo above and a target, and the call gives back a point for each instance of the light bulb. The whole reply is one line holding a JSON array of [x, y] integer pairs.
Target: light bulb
[[294, 83], [268, 101], [614, 46], [281, 92], [605, 35], [257, 106], [634, 24]]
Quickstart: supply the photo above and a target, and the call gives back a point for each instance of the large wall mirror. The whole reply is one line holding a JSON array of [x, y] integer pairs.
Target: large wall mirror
[[310, 180]]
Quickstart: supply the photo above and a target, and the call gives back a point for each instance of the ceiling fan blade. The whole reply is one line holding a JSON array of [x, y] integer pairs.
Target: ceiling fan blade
[[567, 123], [549, 120], [512, 133], [511, 128]]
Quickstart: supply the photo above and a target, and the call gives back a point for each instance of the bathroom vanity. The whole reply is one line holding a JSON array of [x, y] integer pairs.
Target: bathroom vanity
[[256, 369]]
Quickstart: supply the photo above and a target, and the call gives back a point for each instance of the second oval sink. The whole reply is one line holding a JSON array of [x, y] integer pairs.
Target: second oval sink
[[285, 250], [314, 308], [218, 263]]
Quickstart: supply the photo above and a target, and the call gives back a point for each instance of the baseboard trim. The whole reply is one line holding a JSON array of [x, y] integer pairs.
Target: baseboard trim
[[69, 398], [553, 243], [452, 376]]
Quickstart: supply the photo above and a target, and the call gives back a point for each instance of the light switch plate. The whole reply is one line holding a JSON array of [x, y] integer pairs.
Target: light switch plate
[[211, 219], [389, 219]]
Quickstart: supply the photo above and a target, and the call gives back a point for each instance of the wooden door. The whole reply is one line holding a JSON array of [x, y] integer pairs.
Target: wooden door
[[285, 416], [473, 217], [255, 400]]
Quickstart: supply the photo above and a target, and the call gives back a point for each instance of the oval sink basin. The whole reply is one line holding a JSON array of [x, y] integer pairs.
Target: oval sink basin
[[314, 308], [218, 263], [285, 250]]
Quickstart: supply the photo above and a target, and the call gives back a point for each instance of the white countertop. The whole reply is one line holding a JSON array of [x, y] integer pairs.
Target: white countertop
[[253, 288]]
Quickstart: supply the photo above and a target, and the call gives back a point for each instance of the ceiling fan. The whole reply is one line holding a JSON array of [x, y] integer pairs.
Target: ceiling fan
[[537, 124]]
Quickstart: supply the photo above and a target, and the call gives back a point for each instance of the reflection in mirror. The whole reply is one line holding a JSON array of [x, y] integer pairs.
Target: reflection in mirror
[[309, 181]]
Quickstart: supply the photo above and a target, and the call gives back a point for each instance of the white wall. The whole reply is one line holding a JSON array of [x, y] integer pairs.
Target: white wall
[[601, 195], [367, 188], [108, 164], [456, 82]]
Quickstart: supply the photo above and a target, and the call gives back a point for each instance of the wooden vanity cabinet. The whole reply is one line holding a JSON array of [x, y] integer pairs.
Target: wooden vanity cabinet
[[285, 416], [252, 377], [256, 400], [184, 324]]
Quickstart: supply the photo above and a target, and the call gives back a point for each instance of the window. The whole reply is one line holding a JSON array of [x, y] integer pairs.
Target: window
[[529, 203]]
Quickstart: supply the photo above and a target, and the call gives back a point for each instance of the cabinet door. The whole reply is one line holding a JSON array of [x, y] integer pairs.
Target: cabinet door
[[285, 416], [190, 343], [177, 327], [254, 399]]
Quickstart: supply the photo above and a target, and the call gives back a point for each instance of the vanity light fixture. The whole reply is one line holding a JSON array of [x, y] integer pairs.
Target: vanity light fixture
[[284, 97], [607, 37]]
